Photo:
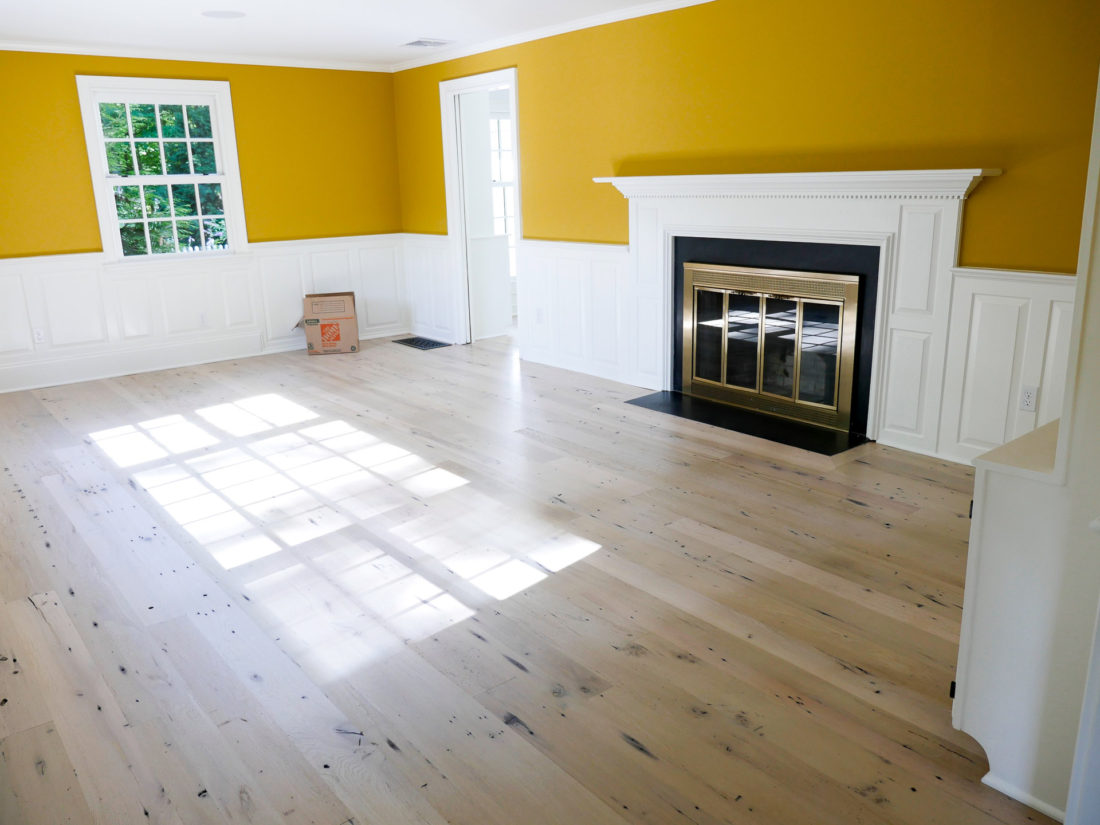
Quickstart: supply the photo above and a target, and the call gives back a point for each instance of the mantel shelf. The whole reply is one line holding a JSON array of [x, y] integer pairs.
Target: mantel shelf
[[901, 185]]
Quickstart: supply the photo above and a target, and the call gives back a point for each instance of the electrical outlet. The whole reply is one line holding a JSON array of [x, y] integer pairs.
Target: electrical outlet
[[1029, 398], [39, 336]]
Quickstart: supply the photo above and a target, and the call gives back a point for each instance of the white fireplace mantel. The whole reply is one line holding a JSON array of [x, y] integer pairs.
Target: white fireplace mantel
[[905, 184], [912, 216]]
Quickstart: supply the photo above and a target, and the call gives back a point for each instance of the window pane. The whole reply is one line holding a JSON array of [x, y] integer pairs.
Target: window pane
[[190, 239], [494, 134], [113, 118], [780, 316], [742, 335], [119, 159], [708, 334], [507, 167], [494, 166], [156, 202], [175, 158], [133, 239], [820, 347], [510, 201], [198, 121], [215, 233], [144, 118], [171, 121], [128, 202], [498, 202], [499, 226], [148, 155], [506, 133], [161, 237], [202, 155], [210, 196], [183, 199]]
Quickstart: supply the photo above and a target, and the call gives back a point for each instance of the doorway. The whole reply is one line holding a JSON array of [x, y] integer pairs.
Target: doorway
[[481, 169]]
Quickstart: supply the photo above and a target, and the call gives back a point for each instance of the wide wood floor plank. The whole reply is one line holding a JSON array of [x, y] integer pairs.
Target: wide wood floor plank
[[452, 587]]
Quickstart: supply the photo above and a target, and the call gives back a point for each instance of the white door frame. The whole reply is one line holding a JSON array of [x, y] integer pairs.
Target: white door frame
[[449, 91]]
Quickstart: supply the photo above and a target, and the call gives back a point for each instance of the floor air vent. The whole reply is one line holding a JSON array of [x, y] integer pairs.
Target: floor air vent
[[420, 343]]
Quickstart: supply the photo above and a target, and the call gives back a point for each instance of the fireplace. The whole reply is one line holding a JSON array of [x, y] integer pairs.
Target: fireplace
[[780, 342], [907, 220]]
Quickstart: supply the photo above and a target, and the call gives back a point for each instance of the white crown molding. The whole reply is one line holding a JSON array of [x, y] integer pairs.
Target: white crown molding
[[916, 183], [306, 62], [643, 10], [192, 57]]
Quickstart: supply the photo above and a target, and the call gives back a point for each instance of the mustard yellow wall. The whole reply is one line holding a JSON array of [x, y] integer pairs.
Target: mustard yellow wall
[[792, 86], [317, 151]]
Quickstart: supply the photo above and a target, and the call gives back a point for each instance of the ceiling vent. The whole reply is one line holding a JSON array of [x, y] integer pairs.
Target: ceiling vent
[[429, 43]]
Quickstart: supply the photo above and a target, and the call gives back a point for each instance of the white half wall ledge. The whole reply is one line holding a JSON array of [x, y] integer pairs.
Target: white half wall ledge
[[900, 184]]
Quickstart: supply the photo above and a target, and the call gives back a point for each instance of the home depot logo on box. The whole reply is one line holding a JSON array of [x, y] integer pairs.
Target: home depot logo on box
[[330, 323]]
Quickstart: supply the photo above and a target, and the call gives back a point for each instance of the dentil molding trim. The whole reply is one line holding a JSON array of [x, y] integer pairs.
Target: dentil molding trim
[[937, 184]]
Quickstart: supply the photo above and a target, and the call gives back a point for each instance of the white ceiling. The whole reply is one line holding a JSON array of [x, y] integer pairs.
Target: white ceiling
[[342, 34]]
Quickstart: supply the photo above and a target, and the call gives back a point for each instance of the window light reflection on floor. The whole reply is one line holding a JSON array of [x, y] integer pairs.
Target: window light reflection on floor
[[282, 501]]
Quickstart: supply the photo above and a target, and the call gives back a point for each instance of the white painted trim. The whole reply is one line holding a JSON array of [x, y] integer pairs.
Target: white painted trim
[[233, 58], [907, 184], [431, 57], [449, 93], [1020, 795], [629, 13], [1084, 796]]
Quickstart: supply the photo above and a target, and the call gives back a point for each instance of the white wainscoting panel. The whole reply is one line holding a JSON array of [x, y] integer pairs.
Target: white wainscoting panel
[[1008, 330], [74, 307], [15, 326], [381, 303], [431, 285], [572, 306], [907, 357], [916, 281], [67, 318]]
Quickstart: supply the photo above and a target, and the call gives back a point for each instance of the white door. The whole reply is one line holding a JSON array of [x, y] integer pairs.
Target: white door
[[481, 168]]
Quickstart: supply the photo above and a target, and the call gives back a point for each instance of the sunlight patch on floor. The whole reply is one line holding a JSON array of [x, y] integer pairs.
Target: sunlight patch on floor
[[296, 514]]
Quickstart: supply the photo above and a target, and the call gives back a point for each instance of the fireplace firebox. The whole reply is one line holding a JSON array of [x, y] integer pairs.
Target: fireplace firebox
[[776, 341]]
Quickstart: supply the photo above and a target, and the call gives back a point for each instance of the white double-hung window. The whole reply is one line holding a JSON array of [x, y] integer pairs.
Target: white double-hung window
[[163, 156]]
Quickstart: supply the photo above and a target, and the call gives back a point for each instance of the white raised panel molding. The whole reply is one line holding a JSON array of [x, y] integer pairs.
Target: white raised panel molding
[[96, 318], [15, 328], [913, 217], [908, 357], [1007, 330], [74, 307], [916, 259], [432, 286], [571, 306]]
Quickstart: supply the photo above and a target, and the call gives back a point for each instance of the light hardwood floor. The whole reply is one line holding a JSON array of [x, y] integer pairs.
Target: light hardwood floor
[[447, 587]]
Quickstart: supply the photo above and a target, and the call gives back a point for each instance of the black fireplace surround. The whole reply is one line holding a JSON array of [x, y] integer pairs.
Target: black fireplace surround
[[843, 259]]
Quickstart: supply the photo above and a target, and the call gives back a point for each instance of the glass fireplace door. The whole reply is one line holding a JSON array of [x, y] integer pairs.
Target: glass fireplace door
[[784, 345]]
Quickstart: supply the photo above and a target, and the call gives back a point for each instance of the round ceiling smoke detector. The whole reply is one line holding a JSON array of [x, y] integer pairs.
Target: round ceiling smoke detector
[[223, 14]]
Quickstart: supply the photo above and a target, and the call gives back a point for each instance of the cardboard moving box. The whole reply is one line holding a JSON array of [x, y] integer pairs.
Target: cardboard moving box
[[330, 323]]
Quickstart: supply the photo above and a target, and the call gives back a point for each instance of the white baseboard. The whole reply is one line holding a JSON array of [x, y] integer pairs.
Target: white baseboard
[[1008, 789]]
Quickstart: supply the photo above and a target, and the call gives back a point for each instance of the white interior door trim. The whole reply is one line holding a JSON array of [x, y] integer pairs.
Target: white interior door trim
[[449, 92]]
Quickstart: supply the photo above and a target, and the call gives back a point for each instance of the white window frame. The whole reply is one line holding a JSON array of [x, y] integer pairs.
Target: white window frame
[[95, 89]]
